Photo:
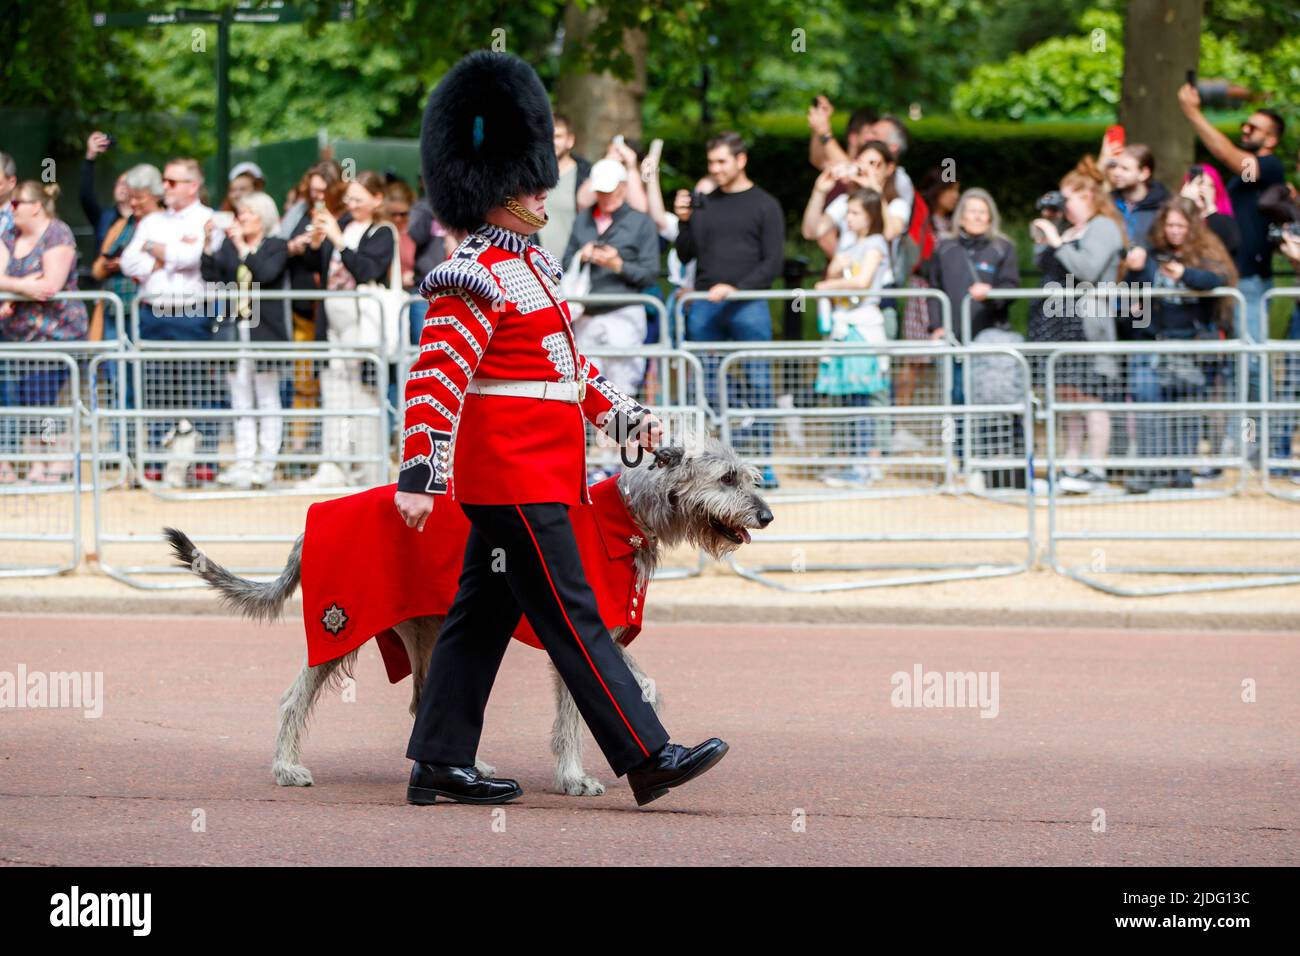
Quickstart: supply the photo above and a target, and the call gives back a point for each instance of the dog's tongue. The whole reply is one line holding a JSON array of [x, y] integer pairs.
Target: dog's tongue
[[744, 533]]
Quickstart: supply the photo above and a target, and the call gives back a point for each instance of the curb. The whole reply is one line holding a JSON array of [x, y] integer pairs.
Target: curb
[[683, 612]]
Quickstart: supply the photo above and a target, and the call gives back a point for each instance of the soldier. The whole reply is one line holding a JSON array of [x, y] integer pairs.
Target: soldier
[[495, 408]]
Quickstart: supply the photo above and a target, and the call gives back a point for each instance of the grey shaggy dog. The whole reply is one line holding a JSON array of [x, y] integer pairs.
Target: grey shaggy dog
[[700, 493]]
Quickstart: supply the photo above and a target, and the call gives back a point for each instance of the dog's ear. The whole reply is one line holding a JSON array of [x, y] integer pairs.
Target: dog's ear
[[670, 457]]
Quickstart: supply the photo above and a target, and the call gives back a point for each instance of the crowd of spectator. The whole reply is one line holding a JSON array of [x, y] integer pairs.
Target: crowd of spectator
[[610, 225]]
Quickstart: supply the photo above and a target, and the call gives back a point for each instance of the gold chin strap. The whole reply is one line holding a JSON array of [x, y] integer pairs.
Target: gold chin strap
[[527, 215]]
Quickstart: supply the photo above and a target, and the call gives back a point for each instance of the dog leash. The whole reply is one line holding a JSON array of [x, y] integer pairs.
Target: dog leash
[[664, 457]]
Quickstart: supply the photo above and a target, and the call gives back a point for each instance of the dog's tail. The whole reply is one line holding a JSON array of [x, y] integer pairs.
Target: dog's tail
[[259, 601]]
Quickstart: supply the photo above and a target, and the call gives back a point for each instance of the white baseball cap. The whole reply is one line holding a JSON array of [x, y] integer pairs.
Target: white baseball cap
[[606, 174]]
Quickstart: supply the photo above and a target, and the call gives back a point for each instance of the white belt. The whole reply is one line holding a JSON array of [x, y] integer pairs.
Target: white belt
[[573, 392]]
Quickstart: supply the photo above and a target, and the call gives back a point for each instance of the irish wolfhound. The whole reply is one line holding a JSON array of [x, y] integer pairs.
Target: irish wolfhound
[[700, 494]]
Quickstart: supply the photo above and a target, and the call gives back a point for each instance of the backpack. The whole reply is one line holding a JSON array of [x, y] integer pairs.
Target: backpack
[[916, 244], [996, 379], [921, 230]]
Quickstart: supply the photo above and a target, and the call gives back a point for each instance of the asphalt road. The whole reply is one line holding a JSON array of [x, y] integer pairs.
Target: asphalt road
[[1107, 747]]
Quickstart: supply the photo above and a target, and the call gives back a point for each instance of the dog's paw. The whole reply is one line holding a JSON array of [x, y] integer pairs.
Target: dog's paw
[[486, 769], [581, 786], [292, 775]]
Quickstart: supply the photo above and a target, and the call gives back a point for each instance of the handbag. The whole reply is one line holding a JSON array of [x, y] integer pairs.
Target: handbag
[[1179, 372], [576, 283], [381, 321]]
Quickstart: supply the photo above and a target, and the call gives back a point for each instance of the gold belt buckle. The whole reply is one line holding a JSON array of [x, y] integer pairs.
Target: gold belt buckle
[[582, 391]]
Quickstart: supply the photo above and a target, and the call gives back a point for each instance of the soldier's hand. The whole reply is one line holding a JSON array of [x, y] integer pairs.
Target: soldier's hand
[[414, 507], [650, 432]]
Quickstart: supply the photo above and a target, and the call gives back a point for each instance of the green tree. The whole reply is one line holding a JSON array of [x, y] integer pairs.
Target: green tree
[[285, 83], [1069, 77]]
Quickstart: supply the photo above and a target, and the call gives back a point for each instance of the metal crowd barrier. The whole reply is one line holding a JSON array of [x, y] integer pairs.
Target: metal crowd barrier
[[1281, 380], [219, 296], [40, 533], [130, 518], [800, 295], [992, 443], [1038, 353], [904, 501], [1171, 464], [83, 349], [1104, 290], [111, 300], [711, 353]]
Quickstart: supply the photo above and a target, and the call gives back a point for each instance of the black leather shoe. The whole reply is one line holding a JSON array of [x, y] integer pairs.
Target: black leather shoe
[[429, 781], [672, 766]]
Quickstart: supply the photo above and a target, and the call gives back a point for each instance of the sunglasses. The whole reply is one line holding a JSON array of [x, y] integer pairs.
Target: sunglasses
[[15, 203], [400, 215], [175, 182]]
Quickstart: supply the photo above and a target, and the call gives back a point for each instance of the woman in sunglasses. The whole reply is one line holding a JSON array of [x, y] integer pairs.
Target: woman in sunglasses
[[38, 259]]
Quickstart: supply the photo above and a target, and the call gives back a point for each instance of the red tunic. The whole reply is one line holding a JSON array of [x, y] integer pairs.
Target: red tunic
[[495, 311], [364, 570]]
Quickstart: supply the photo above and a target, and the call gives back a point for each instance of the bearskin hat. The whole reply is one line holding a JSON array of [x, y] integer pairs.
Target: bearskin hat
[[487, 135]]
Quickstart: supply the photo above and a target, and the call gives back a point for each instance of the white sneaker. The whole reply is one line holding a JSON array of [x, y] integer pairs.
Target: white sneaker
[[856, 476], [328, 475], [1082, 482], [904, 441], [239, 475], [1073, 483], [1100, 483]]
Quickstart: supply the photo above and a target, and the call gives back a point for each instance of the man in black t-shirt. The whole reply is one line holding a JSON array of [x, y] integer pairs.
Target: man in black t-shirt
[[736, 235], [1254, 168]]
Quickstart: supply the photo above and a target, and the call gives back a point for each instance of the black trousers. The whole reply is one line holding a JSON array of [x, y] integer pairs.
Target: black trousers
[[523, 559]]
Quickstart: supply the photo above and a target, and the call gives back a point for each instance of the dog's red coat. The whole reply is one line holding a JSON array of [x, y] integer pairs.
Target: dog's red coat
[[364, 570]]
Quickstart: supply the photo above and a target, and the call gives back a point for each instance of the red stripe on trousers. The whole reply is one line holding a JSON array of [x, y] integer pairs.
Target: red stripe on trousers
[[574, 631]]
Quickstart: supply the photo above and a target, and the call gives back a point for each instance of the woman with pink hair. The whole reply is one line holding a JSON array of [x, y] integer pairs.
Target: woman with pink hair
[[1203, 185]]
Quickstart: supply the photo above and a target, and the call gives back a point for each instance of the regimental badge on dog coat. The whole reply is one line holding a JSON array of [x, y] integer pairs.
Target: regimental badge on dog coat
[[334, 619], [359, 555]]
